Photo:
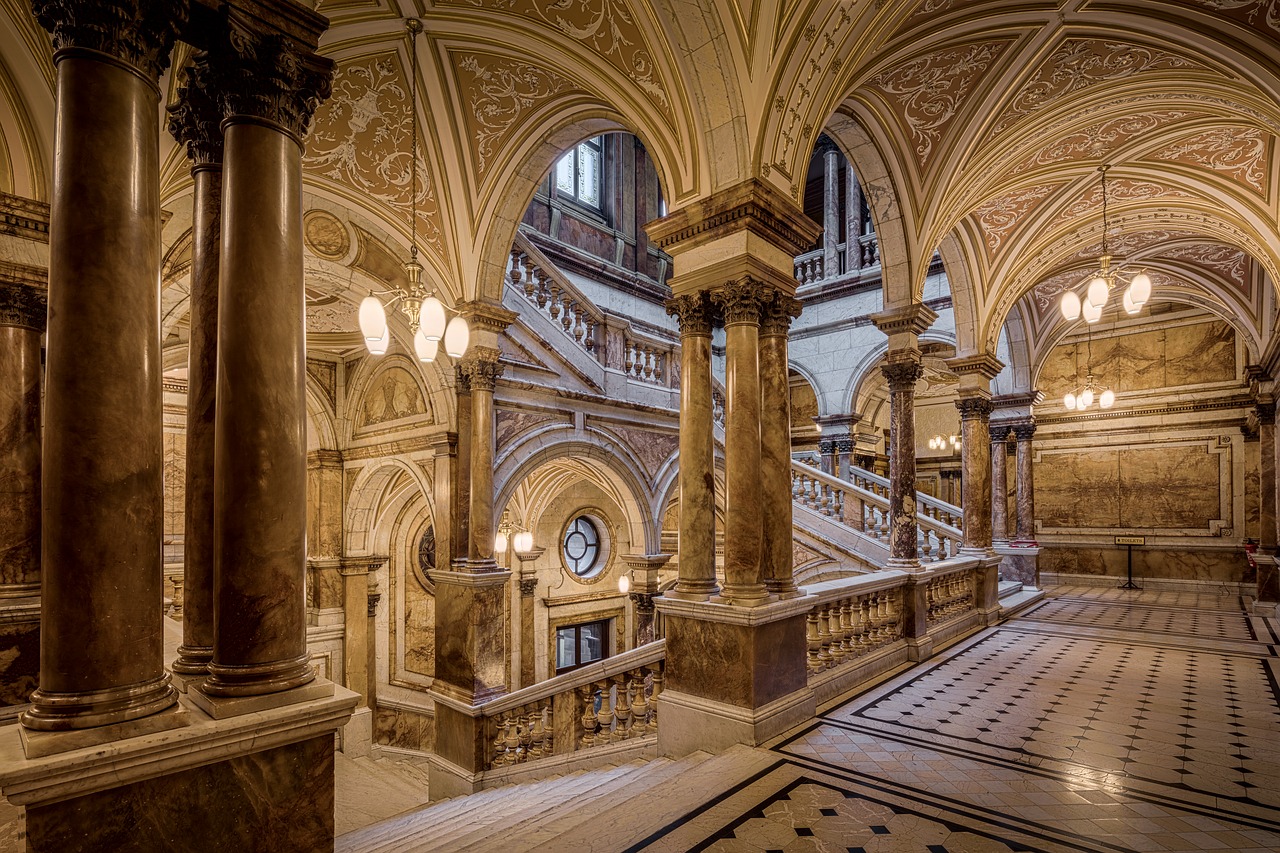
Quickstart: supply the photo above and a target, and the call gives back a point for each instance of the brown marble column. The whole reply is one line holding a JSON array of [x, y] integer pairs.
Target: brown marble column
[[999, 483], [268, 87], [902, 372], [195, 121], [528, 587], [482, 370], [1268, 584], [697, 544], [775, 447], [742, 303], [101, 656], [1025, 483], [975, 464], [22, 318]]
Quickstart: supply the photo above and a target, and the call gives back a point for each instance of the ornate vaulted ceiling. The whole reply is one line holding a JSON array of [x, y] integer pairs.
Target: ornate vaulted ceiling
[[976, 126]]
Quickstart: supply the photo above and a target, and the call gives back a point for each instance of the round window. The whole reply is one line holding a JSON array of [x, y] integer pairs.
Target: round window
[[582, 547]]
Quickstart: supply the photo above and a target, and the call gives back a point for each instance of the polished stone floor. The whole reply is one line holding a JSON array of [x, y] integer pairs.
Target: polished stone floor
[[1102, 720]]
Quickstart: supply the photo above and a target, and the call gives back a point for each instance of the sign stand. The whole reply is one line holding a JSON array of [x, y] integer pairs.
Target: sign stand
[[1129, 542]]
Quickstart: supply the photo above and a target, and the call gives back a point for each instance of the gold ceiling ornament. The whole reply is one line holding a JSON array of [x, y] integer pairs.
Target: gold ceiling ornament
[[1104, 280], [425, 312]]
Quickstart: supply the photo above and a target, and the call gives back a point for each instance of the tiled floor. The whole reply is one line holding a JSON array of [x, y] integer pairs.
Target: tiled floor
[[1103, 720]]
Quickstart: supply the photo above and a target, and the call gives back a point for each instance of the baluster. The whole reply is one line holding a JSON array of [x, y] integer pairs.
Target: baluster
[[659, 679], [926, 547], [514, 752], [578, 330], [590, 722], [837, 503], [537, 735], [554, 307], [811, 636], [606, 711], [548, 726], [795, 485], [837, 627], [513, 275], [659, 360], [566, 306], [640, 710], [529, 284], [542, 288], [499, 742], [622, 709], [630, 363], [590, 340], [824, 498], [864, 623], [857, 624], [824, 637], [648, 362]]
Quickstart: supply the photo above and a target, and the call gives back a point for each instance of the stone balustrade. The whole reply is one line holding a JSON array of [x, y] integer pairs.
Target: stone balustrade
[[949, 596], [811, 267], [849, 624]]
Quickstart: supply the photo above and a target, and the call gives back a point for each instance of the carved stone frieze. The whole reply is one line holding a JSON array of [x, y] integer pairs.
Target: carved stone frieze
[[269, 76], [22, 305], [694, 313], [195, 120], [138, 32]]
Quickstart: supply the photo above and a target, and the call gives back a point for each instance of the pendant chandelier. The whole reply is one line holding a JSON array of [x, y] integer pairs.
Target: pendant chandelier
[[1084, 398], [940, 443], [1104, 279], [425, 312]]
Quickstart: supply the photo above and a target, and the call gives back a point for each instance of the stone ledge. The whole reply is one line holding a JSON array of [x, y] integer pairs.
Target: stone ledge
[[733, 614], [690, 723], [204, 741]]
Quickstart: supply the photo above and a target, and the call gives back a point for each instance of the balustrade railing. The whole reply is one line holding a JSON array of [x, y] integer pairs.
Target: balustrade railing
[[863, 505], [927, 505], [950, 595], [811, 266], [847, 624], [603, 703]]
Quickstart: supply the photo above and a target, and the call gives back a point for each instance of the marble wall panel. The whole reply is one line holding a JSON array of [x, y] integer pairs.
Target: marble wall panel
[[404, 729], [277, 799], [1225, 565], [19, 661], [1078, 489], [175, 484], [1205, 352], [1169, 487], [324, 511], [1252, 490], [419, 628], [736, 664]]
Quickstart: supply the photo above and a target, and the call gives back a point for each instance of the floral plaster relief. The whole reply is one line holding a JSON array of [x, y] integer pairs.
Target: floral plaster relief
[[1240, 153], [360, 138], [1098, 140], [998, 216]]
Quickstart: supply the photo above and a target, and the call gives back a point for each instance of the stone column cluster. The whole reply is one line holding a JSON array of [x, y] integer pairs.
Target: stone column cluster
[[1000, 482], [251, 93], [1026, 504], [975, 443]]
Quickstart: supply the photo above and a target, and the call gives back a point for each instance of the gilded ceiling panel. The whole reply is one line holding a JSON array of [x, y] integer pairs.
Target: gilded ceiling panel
[[497, 93], [997, 217], [1100, 139], [1254, 14], [606, 28], [1226, 262], [360, 139], [928, 92], [1240, 153], [1078, 64], [1119, 191]]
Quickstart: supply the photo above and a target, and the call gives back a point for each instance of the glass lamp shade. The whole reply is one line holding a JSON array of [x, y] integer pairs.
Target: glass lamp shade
[[456, 337], [524, 542], [1070, 306], [1107, 399], [1086, 398], [425, 349], [624, 584], [500, 543], [1091, 313], [1130, 307], [1140, 289], [431, 318], [379, 347], [373, 319], [1097, 292], [1069, 401]]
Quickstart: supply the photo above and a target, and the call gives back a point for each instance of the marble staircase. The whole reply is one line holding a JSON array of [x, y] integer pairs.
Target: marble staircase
[[605, 809]]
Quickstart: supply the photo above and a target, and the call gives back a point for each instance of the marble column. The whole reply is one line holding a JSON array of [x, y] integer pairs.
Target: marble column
[[483, 370], [853, 220], [775, 447], [830, 208], [975, 463], [999, 483], [1025, 483], [102, 641], [1267, 489], [902, 372], [194, 121], [528, 588], [268, 89], [742, 302], [697, 544], [22, 318], [356, 636], [460, 502]]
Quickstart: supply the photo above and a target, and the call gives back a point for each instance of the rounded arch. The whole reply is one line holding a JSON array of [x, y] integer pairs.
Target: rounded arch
[[371, 494]]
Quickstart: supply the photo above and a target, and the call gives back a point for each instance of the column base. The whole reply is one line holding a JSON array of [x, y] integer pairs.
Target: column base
[[693, 591], [743, 596], [258, 679], [226, 707], [904, 564], [38, 744], [192, 660], [1019, 562], [55, 712]]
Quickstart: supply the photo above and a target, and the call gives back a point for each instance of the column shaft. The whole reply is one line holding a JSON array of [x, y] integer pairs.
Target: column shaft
[[697, 544], [260, 459], [775, 448], [975, 462], [1268, 581], [831, 212], [999, 484], [483, 370], [22, 317], [1026, 484], [902, 374], [102, 638], [743, 539], [853, 221]]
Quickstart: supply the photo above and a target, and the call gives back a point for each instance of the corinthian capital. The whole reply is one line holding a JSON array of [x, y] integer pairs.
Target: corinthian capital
[[138, 32], [22, 305], [195, 120], [974, 408], [269, 76], [778, 313], [482, 368], [693, 313], [741, 301], [902, 375]]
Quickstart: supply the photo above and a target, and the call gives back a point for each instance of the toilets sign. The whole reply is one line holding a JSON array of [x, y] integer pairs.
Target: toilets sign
[[1131, 540]]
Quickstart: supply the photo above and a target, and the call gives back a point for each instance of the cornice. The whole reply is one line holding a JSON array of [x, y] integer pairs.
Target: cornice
[[915, 318], [752, 205], [985, 365]]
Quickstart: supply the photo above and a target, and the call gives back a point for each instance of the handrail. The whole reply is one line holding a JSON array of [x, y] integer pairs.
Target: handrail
[[607, 668], [866, 511], [935, 508]]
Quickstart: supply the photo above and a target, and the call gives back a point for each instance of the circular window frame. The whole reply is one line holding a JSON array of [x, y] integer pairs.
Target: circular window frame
[[599, 568]]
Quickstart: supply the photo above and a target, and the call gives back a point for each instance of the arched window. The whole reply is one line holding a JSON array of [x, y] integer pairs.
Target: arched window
[[581, 547], [578, 173]]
